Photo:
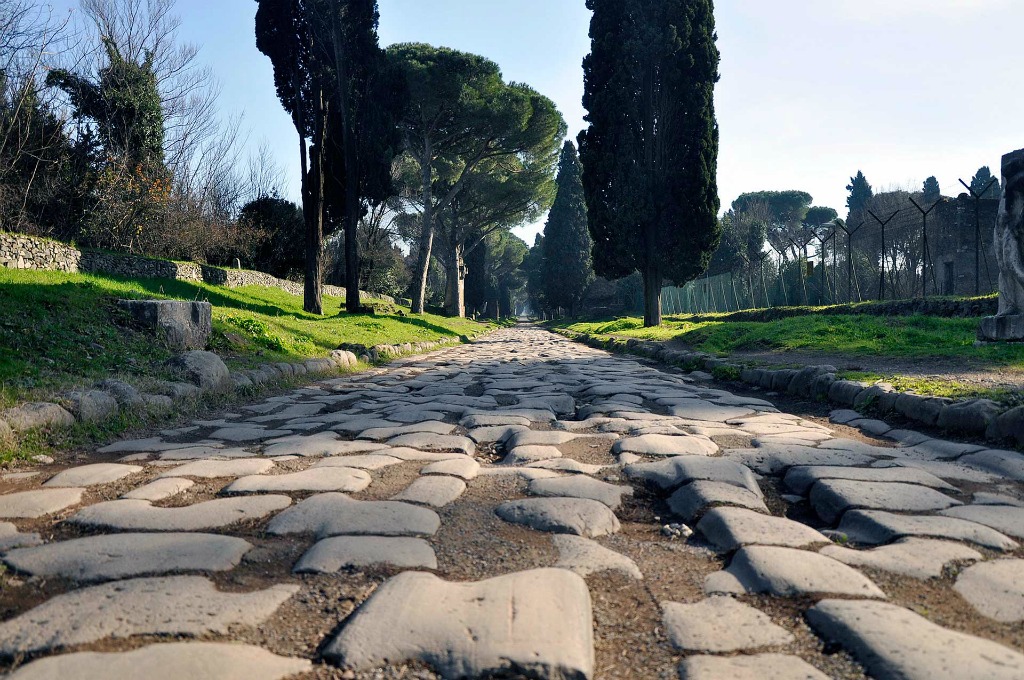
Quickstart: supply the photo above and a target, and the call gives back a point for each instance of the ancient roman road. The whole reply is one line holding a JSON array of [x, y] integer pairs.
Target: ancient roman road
[[518, 507]]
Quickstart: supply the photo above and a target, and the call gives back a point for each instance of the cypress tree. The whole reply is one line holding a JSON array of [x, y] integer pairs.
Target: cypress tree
[[861, 194], [568, 270], [650, 155], [931, 190]]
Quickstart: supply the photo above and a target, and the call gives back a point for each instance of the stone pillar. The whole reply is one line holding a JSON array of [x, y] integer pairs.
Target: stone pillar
[[1008, 324]]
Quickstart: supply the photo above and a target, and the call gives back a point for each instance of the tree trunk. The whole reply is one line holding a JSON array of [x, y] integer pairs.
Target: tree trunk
[[314, 216], [455, 293], [419, 292], [652, 297]]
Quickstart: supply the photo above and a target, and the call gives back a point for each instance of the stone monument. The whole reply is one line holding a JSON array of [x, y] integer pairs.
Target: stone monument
[[1008, 325]]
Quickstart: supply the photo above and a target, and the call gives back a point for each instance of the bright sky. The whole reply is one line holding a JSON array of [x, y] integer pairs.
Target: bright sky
[[811, 90]]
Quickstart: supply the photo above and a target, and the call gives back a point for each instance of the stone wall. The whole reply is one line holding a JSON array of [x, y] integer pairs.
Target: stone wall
[[18, 251]]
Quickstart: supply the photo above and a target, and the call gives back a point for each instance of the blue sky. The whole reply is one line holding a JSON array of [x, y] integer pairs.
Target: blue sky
[[811, 90]]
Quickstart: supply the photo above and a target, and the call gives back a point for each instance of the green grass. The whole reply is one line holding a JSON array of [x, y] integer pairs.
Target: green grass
[[854, 336], [59, 330]]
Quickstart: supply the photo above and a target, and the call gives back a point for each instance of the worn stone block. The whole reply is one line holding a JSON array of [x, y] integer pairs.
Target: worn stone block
[[182, 325]]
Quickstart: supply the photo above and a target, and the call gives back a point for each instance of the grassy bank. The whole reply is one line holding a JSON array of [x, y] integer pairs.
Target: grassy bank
[[59, 331]]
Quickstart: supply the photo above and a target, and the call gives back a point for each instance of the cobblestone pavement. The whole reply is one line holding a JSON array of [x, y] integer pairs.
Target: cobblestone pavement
[[518, 507]]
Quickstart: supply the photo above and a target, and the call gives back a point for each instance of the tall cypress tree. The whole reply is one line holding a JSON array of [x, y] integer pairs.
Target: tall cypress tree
[[860, 196], [931, 190], [650, 155], [568, 269]]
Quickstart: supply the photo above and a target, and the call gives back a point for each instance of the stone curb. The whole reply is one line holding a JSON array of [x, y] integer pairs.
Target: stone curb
[[976, 417]]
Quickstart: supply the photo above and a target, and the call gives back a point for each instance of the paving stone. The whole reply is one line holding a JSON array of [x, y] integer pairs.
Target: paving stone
[[531, 453], [405, 453], [334, 554], [435, 490], [536, 623], [893, 642], [464, 468], [833, 497], [32, 504], [204, 453], [317, 445], [691, 501], [429, 427], [118, 556], [774, 459], [344, 479], [10, 537], [160, 489], [568, 465], [168, 661], [720, 624], [665, 445], [435, 442], [874, 527], [843, 416], [752, 667], [1006, 519], [585, 557], [1009, 464], [492, 420], [216, 469], [544, 438], [134, 515], [702, 410], [871, 426], [496, 433], [360, 462], [174, 605], [940, 449], [943, 470], [786, 572], [149, 445], [91, 475], [579, 486], [801, 479], [672, 473], [335, 514], [731, 528], [360, 423], [995, 589], [916, 557], [527, 473], [240, 433], [580, 516]]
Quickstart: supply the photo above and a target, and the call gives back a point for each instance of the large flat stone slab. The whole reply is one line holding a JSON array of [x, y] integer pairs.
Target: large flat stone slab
[[160, 489], [216, 469], [544, 438], [464, 468], [585, 557], [916, 557], [168, 661], [435, 442], [132, 515], [729, 529], [774, 459], [801, 479], [995, 589], [1004, 518], [434, 490], [344, 479], [535, 623], [579, 486], [118, 556], [91, 475], [752, 667], [317, 445], [833, 497], [691, 501], [369, 461], [672, 473], [874, 527], [785, 572], [32, 504], [335, 514], [720, 624], [429, 426], [10, 537], [579, 516], [340, 552], [666, 445], [528, 454], [893, 642], [174, 605], [247, 433]]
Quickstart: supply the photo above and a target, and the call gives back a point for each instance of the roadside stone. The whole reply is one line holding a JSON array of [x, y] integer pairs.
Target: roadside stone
[[752, 667], [579, 486], [974, 416], [32, 504], [464, 468], [168, 661], [119, 556], [919, 558], [922, 409], [995, 589], [845, 392], [666, 445], [579, 516], [344, 479], [785, 572], [435, 442], [159, 489], [436, 491], [175, 605], [36, 415], [91, 475], [1006, 519], [203, 369], [691, 501], [133, 515], [801, 479], [732, 528], [585, 557], [672, 473], [331, 555], [216, 469], [833, 497], [550, 635], [874, 527], [91, 406], [893, 642], [720, 624], [125, 395], [335, 514]]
